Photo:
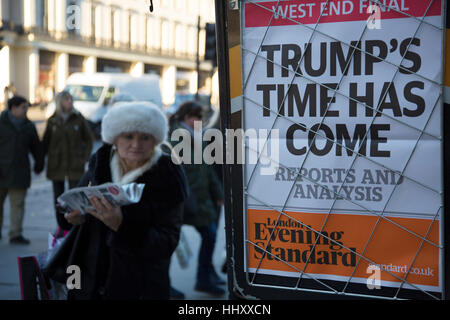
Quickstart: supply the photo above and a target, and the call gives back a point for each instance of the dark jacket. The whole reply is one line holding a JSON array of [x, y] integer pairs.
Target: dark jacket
[[15, 146], [132, 263], [68, 145], [205, 187]]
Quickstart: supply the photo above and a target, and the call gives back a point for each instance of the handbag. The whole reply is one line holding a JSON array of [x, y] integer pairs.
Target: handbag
[[63, 256], [33, 285]]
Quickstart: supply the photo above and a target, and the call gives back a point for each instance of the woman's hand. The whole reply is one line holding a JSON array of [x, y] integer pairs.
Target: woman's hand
[[110, 215], [75, 217]]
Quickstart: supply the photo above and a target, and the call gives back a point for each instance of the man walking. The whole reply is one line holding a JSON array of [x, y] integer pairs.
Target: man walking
[[18, 138]]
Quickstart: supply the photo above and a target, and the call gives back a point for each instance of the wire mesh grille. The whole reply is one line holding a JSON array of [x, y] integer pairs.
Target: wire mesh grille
[[288, 211]]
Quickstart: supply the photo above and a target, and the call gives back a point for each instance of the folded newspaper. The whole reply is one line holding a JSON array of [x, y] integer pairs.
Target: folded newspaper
[[116, 194]]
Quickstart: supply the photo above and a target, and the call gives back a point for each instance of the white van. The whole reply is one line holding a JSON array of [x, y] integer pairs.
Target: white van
[[92, 92]]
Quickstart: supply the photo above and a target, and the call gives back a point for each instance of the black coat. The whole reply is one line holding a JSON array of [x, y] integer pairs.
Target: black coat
[[132, 263], [205, 187], [15, 147]]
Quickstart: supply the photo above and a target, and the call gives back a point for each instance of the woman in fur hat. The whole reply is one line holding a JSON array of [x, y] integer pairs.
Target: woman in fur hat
[[124, 252]]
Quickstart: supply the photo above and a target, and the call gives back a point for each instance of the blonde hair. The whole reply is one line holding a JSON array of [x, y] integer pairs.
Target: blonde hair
[[59, 97]]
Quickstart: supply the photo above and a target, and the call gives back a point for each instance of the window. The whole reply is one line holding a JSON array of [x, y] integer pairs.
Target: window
[[130, 28], [42, 14], [165, 36], [73, 16], [192, 44], [135, 32], [116, 27], [180, 38], [112, 24], [84, 93], [93, 9]]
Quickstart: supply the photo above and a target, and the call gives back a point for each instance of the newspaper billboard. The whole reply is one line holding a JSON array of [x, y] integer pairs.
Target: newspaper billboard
[[353, 91]]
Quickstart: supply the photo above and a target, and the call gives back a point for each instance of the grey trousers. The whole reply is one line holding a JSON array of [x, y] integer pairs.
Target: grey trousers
[[17, 209]]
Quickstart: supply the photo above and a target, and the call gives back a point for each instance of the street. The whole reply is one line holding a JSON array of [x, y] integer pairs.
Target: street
[[39, 221]]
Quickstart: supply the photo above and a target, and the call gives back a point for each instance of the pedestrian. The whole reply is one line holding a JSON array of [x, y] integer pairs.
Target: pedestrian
[[124, 252], [18, 138], [8, 93], [68, 144], [206, 193]]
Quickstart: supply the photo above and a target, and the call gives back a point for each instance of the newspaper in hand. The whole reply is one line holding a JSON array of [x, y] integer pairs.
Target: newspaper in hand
[[116, 194]]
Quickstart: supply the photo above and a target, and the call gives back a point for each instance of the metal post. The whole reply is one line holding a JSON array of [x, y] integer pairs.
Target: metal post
[[197, 61], [446, 159], [224, 102]]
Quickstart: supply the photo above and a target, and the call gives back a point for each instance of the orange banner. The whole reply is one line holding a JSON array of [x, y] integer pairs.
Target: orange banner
[[391, 247]]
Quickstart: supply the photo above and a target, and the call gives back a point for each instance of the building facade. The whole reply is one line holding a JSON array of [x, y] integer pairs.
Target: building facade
[[44, 41]]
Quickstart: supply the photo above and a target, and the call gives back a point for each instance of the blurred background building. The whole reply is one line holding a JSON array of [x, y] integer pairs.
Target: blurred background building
[[44, 41]]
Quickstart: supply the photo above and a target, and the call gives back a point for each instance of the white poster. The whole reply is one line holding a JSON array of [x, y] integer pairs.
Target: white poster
[[313, 69]]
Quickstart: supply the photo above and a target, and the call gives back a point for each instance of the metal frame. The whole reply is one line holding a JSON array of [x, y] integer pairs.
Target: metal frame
[[446, 159], [243, 284]]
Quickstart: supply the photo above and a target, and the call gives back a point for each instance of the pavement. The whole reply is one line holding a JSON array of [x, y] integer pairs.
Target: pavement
[[40, 221]]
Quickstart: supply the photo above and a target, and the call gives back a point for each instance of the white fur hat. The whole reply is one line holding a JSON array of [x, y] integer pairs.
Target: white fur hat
[[136, 116]]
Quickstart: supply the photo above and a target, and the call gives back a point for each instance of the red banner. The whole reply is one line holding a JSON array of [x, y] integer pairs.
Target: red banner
[[292, 12]]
